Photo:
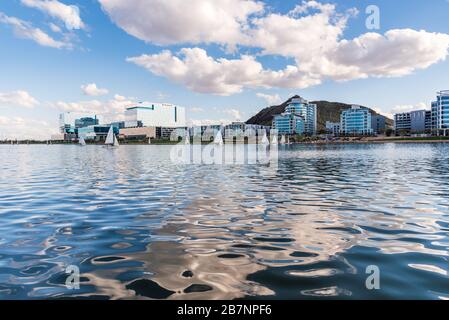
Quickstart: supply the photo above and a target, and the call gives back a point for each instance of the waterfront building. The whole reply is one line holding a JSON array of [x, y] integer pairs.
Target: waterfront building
[[356, 121], [418, 121], [378, 123], [69, 121], [289, 123], [307, 111], [300, 117], [140, 133], [333, 128], [86, 121], [96, 132], [155, 115], [440, 113]]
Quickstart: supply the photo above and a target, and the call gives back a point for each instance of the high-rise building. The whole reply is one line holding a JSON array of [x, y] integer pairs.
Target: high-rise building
[[440, 113], [418, 121], [378, 123], [300, 117], [356, 121], [155, 115]]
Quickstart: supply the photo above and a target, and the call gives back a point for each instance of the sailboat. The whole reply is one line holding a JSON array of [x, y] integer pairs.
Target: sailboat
[[81, 141], [111, 139], [187, 139], [218, 138], [265, 139], [283, 141], [149, 140], [274, 140]]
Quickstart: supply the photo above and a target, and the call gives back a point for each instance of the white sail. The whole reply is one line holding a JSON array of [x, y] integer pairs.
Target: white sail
[[274, 140], [218, 138], [283, 141], [116, 144], [288, 140], [265, 139], [149, 140], [187, 138], [110, 137], [81, 141]]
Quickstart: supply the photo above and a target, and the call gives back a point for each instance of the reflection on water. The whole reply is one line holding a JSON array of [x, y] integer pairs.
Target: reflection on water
[[139, 227]]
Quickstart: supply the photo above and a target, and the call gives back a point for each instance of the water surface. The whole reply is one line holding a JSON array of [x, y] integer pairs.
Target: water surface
[[140, 227]]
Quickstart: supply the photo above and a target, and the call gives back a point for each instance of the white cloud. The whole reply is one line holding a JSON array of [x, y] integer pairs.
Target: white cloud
[[24, 128], [311, 35], [91, 89], [408, 108], [234, 113], [24, 29], [202, 73], [196, 110], [111, 110], [179, 21], [271, 100], [18, 98], [68, 14]]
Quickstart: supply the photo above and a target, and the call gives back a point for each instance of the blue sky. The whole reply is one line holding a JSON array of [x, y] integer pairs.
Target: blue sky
[[198, 62]]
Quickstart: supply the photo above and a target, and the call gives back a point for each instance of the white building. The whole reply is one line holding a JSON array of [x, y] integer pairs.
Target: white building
[[155, 115]]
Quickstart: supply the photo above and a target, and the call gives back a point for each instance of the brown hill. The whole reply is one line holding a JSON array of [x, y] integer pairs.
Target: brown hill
[[327, 111]]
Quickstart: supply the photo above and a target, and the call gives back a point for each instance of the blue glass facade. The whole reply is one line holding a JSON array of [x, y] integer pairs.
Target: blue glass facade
[[356, 121], [440, 111], [289, 123], [299, 118]]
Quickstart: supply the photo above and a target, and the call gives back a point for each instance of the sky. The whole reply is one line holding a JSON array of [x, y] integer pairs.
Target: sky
[[223, 60]]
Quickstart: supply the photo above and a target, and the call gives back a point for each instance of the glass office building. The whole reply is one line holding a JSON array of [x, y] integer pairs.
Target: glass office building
[[300, 117], [356, 121], [440, 113], [289, 123], [155, 115]]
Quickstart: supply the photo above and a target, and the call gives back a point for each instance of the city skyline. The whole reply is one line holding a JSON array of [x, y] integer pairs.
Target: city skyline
[[225, 61]]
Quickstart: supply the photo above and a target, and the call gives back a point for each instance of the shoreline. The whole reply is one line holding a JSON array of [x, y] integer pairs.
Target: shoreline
[[317, 142]]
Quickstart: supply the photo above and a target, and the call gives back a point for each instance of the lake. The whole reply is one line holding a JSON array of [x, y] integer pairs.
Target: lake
[[138, 226]]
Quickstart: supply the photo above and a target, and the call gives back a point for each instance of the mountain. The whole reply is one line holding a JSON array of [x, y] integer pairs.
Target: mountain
[[327, 111]]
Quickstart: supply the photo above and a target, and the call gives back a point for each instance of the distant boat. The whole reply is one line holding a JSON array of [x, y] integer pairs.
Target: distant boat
[[265, 139], [187, 138], [218, 139], [111, 139], [274, 140], [149, 140], [283, 141], [81, 141]]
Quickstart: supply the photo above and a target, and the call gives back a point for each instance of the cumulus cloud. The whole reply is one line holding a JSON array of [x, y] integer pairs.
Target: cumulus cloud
[[91, 89], [110, 110], [311, 35], [68, 14], [24, 29], [23, 128], [271, 99], [18, 98], [198, 71], [234, 113], [408, 108], [179, 21]]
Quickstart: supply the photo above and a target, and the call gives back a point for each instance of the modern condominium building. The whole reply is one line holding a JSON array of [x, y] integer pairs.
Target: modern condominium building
[[300, 117], [440, 113], [155, 115], [356, 121], [418, 121]]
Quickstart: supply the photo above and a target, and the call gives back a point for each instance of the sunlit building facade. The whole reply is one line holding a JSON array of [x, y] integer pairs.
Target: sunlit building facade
[[300, 117], [155, 115], [356, 121], [440, 113]]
